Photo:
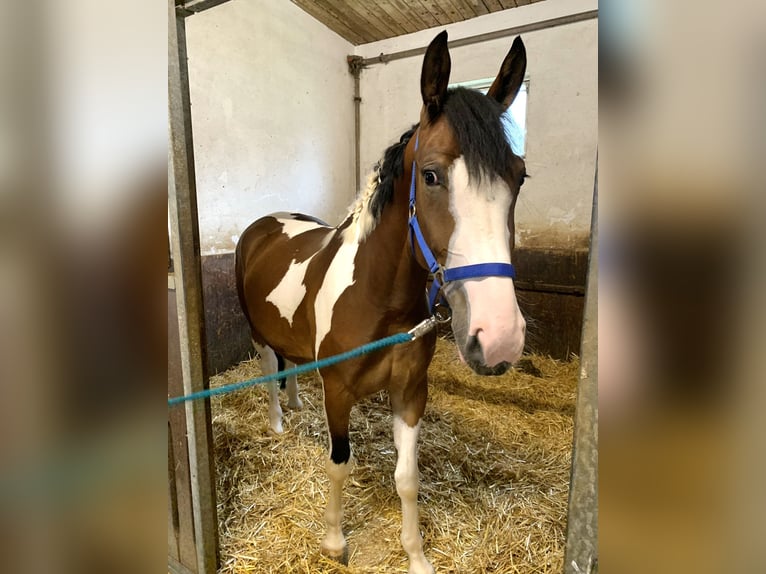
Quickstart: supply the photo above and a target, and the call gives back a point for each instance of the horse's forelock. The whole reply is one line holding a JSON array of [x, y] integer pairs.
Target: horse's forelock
[[478, 129]]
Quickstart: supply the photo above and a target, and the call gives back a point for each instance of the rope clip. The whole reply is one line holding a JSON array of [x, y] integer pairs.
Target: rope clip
[[442, 314]]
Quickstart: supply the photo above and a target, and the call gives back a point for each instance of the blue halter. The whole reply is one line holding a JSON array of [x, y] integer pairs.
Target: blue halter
[[442, 275]]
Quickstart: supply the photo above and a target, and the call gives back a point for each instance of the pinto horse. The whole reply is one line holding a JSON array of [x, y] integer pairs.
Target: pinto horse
[[441, 200]]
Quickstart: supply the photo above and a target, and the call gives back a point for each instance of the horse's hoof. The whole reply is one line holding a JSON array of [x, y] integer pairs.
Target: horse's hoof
[[420, 567], [296, 406], [341, 558]]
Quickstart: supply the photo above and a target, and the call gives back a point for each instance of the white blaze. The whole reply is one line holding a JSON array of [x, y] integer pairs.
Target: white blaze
[[482, 235]]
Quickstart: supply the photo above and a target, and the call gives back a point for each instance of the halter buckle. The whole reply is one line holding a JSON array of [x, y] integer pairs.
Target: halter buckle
[[442, 313], [438, 274]]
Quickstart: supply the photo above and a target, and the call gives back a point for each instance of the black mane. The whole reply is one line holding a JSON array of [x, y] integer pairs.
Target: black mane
[[389, 169], [475, 120]]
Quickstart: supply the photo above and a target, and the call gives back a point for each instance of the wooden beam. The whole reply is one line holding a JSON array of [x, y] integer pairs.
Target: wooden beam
[[428, 19], [450, 10], [178, 448], [464, 9], [581, 554], [360, 17], [196, 6], [407, 21], [479, 8], [182, 204], [175, 567], [436, 11], [335, 21], [172, 503], [493, 5], [413, 11]]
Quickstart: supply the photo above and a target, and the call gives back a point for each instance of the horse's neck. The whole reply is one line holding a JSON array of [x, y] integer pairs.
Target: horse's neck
[[386, 263]]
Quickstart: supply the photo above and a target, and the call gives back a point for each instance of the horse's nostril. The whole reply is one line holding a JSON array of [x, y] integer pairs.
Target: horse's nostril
[[473, 349]]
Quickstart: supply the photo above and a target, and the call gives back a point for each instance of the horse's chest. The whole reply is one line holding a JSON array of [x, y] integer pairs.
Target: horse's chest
[[337, 279]]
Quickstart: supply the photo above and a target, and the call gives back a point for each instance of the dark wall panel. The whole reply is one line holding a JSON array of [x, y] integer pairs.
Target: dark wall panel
[[550, 287], [226, 329]]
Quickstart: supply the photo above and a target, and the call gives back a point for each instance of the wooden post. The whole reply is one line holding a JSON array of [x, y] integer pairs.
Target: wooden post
[[582, 524], [182, 204]]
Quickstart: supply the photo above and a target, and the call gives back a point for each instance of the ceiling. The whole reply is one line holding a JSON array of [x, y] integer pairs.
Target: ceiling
[[363, 21]]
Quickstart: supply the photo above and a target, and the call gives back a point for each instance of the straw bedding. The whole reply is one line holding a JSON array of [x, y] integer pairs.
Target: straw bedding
[[494, 470]]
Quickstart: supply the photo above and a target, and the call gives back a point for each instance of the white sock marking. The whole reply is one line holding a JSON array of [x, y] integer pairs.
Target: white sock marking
[[269, 366], [334, 542], [407, 477]]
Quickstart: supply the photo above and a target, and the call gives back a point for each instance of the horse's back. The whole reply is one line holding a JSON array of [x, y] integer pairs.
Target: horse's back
[[272, 258], [266, 237]]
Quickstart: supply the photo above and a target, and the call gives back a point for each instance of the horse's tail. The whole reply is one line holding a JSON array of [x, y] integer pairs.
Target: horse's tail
[[281, 367]]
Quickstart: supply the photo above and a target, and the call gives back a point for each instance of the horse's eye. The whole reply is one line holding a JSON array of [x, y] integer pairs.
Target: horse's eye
[[431, 177]]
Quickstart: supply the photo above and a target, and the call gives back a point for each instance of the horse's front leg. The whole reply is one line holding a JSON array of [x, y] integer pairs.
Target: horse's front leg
[[338, 466], [407, 478]]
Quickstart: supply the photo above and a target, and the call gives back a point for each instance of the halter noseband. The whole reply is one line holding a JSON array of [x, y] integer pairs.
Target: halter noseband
[[441, 274]]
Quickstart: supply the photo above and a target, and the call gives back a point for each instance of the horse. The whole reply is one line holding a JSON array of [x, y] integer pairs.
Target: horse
[[439, 204]]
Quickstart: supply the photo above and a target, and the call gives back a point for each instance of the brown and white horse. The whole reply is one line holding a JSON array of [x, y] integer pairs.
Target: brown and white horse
[[310, 290]]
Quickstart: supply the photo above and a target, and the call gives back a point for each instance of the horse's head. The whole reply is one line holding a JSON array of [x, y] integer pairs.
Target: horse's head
[[467, 181]]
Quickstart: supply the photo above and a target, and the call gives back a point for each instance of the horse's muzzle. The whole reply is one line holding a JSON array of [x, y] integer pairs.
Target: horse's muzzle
[[474, 358]]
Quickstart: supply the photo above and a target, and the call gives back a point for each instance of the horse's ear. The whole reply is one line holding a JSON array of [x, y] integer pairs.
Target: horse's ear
[[511, 75], [435, 75]]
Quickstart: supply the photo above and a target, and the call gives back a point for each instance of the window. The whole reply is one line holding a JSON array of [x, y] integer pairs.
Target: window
[[514, 119]]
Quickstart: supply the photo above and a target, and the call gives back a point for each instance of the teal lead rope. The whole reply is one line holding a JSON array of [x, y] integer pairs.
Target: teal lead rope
[[440, 316]]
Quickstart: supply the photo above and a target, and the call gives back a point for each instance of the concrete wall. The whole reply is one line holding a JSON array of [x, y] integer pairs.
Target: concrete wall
[[562, 114], [273, 121], [273, 118], [274, 124]]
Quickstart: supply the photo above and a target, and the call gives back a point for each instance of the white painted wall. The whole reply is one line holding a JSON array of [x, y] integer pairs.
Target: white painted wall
[[273, 117], [554, 208]]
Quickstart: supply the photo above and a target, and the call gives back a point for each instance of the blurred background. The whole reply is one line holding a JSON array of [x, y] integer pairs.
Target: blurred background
[[83, 241], [681, 330]]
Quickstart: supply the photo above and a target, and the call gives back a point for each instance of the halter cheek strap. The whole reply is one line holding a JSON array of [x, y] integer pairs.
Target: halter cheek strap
[[442, 275]]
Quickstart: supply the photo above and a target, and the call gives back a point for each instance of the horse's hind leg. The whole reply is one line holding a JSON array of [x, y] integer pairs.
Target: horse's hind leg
[[293, 400], [269, 366]]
